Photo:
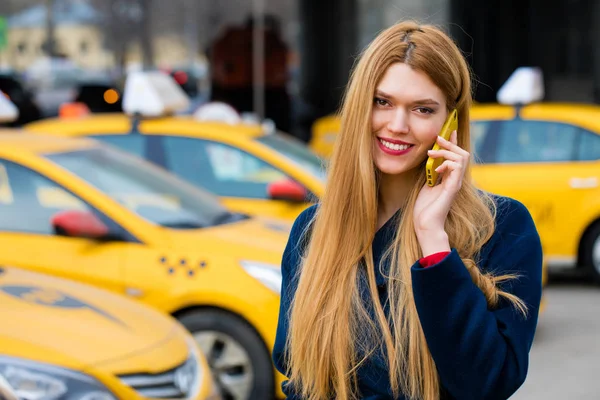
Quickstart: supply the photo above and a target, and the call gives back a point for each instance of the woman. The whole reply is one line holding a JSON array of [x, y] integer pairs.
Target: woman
[[393, 289]]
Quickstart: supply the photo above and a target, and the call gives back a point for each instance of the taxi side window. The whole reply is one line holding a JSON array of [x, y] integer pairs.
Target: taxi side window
[[589, 146], [131, 143], [480, 131], [219, 168], [28, 200], [521, 141]]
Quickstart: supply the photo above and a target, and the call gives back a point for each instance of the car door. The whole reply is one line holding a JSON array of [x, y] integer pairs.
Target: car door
[[238, 177], [537, 163], [28, 201]]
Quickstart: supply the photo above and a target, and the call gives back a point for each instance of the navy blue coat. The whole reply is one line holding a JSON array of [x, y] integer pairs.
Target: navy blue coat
[[480, 353]]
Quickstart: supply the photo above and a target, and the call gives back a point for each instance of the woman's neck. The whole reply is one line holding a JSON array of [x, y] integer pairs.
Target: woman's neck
[[393, 192]]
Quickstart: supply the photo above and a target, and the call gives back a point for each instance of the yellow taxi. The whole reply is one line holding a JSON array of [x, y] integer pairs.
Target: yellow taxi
[[253, 168], [79, 209], [324, 133], [547, 156], [61, 339]]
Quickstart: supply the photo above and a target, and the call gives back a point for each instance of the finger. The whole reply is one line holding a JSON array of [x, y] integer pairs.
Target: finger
[[448, 155], [450, 170], [448, 166], [451, 174], [454, 138], [446, 144]]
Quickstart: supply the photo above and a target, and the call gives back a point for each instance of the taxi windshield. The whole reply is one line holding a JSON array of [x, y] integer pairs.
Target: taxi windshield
[[146, 190], [296, 152]]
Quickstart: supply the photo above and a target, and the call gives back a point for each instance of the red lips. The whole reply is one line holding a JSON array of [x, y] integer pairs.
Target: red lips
[[394, 152], [394, 141]]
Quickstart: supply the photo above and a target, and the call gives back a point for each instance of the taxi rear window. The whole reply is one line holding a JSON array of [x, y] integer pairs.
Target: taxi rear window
[[297, 152], [131, 143]]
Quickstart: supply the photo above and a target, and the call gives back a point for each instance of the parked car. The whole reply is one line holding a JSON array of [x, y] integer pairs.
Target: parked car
[[65, 340], [83, 210], [12, 88], [54, 81], [252, 167]]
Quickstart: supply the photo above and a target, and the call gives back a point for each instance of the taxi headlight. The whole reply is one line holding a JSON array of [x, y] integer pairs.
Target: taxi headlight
[[195, 354], [268, 274], [188, 377], [30, 380]]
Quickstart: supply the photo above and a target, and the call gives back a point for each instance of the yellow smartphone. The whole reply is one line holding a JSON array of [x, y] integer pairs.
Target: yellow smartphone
[[450, 125]]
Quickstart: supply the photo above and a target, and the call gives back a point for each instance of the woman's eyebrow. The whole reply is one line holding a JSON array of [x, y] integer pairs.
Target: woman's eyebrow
[[428, 101], [379, 93]]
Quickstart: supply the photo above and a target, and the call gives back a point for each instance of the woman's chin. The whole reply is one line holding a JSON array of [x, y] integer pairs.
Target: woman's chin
[[388, 168]]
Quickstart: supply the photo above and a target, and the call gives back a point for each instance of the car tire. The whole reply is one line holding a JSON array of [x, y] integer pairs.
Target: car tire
[[226, 340], [591, 252]]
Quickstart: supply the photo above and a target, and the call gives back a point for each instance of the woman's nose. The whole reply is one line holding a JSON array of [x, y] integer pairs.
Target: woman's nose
[[398, 122]]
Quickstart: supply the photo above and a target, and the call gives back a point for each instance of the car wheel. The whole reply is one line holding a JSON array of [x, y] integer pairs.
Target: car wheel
[[591, 252], [240, 363]]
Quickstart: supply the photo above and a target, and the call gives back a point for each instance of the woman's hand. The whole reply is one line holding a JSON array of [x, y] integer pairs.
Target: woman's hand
[[433, 203]]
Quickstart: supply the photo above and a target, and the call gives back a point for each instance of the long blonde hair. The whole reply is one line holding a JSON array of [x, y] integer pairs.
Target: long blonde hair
[[331, 331]]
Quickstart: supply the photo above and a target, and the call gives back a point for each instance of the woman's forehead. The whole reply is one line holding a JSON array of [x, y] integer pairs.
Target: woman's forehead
[[403, 83]]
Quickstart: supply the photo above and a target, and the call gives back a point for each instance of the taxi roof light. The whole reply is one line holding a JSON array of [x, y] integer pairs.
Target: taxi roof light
[[8, 111], [153, 94], [223, 112], [269, 126], [250, 118], [218, 111], [524, 86]]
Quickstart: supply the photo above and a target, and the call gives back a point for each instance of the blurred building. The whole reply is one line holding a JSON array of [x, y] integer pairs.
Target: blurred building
[[324, 37], [83, 31], [497, 36], [79, 35], [562, 39]]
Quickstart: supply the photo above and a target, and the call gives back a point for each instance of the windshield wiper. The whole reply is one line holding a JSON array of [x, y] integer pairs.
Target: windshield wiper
[[222, 218], [183, 225], [229, 217]]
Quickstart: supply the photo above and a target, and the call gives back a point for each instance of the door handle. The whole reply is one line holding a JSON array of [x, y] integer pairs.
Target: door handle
[[583, 183]]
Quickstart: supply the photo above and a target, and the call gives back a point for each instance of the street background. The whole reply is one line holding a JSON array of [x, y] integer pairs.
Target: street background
[[288, 61], [309, 46], [565, 354]]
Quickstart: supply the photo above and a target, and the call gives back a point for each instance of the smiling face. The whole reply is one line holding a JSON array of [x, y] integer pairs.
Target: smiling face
[[409, 111]]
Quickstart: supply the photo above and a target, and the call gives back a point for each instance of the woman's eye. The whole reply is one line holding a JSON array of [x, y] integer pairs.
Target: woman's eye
[[380, 102], [424, 110]]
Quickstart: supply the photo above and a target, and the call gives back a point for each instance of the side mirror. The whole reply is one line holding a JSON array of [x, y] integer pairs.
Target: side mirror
[[80, 224], [287, 190]]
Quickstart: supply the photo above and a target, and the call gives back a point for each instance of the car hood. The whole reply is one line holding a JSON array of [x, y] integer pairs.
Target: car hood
[[80, 322], [250, 236]]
